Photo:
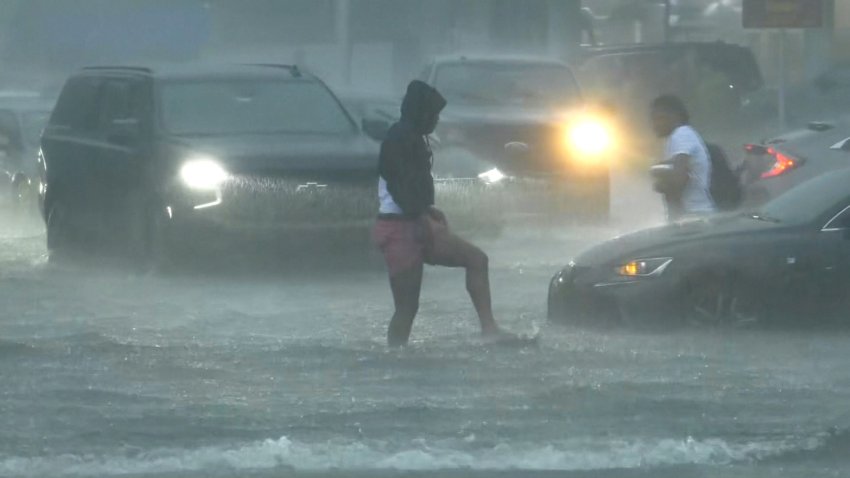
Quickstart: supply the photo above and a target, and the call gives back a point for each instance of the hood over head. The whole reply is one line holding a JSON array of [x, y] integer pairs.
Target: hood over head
[[422, 106]]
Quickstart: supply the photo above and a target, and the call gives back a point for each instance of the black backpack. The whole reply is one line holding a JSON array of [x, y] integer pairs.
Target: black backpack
[[725, 185]]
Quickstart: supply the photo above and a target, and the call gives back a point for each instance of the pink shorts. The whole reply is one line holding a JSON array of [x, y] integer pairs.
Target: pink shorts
[[402, 242]]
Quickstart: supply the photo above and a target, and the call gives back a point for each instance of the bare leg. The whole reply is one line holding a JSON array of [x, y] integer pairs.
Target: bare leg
[[453, 251], [406, 287]]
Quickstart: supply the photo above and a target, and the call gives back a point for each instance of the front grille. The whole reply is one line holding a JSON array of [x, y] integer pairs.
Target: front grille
[[546, 151], [261, 200]]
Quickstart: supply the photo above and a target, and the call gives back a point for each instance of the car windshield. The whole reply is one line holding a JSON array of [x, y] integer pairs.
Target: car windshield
[[33, 124], [234, 107], [507, 84], [808, 201]]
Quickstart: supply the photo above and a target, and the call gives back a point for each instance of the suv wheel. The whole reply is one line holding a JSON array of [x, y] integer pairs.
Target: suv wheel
[[148, 237], [59, 231]]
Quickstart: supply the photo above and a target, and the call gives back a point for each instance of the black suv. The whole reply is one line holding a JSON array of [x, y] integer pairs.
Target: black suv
[[139, 158]]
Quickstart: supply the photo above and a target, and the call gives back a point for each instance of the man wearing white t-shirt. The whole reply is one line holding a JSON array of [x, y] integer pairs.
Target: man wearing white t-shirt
[[684, 174]]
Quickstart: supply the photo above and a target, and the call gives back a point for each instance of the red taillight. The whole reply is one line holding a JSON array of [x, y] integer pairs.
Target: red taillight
[[782, 164]]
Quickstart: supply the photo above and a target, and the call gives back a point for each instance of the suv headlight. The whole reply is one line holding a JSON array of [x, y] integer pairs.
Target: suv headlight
[[202, 174], [644, 267], [492, 176], [590, 138]]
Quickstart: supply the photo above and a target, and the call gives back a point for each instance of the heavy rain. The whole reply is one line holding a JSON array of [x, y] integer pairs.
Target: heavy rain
[[430, 238]]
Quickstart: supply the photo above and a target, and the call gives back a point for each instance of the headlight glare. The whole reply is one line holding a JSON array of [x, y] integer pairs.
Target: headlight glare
[[644, 267], [202, 174], [590, 138], [492, 176]]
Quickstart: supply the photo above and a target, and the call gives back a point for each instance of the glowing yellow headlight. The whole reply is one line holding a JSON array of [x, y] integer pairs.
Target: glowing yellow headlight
[[644, 267], [590, 137], [630, 269]]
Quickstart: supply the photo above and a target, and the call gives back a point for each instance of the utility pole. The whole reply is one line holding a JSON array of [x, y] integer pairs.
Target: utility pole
[[666, 20]]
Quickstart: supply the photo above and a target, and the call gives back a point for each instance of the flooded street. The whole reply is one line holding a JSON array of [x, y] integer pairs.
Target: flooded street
[[106, 373]]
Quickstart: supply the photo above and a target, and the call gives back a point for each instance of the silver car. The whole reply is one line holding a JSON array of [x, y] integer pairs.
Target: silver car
[[780, 163]]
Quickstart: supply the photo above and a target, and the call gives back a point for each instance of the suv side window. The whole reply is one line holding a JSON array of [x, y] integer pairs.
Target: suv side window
[[119, 101], [77, 108]]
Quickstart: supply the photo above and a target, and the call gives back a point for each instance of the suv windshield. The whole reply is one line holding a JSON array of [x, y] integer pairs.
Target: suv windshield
[[507, 84], [231, 107], [808, 201]]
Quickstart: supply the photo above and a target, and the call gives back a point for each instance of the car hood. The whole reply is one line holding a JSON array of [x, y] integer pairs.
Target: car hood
[[256, 153], [502, 115], [653, 241]]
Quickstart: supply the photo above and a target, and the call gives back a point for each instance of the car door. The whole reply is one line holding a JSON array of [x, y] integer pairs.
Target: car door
[[70, 148], [834, 248], [120, 166]]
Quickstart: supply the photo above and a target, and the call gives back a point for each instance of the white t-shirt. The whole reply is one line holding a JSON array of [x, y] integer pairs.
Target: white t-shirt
[[387, 203], [696, 198]]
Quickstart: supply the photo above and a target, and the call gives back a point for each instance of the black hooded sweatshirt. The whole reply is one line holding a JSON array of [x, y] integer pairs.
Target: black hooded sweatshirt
[[406, 159]]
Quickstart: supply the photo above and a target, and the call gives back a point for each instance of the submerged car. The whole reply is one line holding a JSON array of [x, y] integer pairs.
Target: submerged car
[[776, 165], [144, 158], [23, 116], [790, 259], [522, 123]]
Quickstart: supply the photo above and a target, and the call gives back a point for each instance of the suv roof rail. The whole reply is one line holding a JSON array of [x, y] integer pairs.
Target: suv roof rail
[[140, 69], [293, 69]]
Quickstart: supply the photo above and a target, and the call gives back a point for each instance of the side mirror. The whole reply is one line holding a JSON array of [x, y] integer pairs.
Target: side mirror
[[375, 128], [124, 132]]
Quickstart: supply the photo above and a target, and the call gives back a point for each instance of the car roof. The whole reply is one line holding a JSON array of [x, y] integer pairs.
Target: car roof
[[498, 59], [202, 71], [650, 47]]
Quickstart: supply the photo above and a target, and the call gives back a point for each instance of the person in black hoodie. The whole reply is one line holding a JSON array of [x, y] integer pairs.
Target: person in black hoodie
[[410, 230]]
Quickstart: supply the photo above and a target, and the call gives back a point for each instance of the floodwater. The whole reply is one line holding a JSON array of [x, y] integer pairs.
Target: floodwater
[[105, 373]]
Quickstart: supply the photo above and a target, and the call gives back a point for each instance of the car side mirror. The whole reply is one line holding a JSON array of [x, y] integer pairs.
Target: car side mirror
[[375, 128], [124, 132]]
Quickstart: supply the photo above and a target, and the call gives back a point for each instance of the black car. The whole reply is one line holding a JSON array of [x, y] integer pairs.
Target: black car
[[791, 259], [522, 123], [141, 157]]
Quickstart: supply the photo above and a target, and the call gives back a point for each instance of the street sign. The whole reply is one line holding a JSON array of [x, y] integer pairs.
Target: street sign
[[783, 13]]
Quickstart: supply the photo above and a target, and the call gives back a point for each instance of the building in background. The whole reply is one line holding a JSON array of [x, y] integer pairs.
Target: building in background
[[364, 44]]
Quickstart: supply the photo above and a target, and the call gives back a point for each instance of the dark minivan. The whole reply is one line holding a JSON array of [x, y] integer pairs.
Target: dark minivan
[[138, 157]]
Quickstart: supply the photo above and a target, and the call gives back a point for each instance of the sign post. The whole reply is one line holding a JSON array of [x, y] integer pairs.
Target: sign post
[[781, 15]]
